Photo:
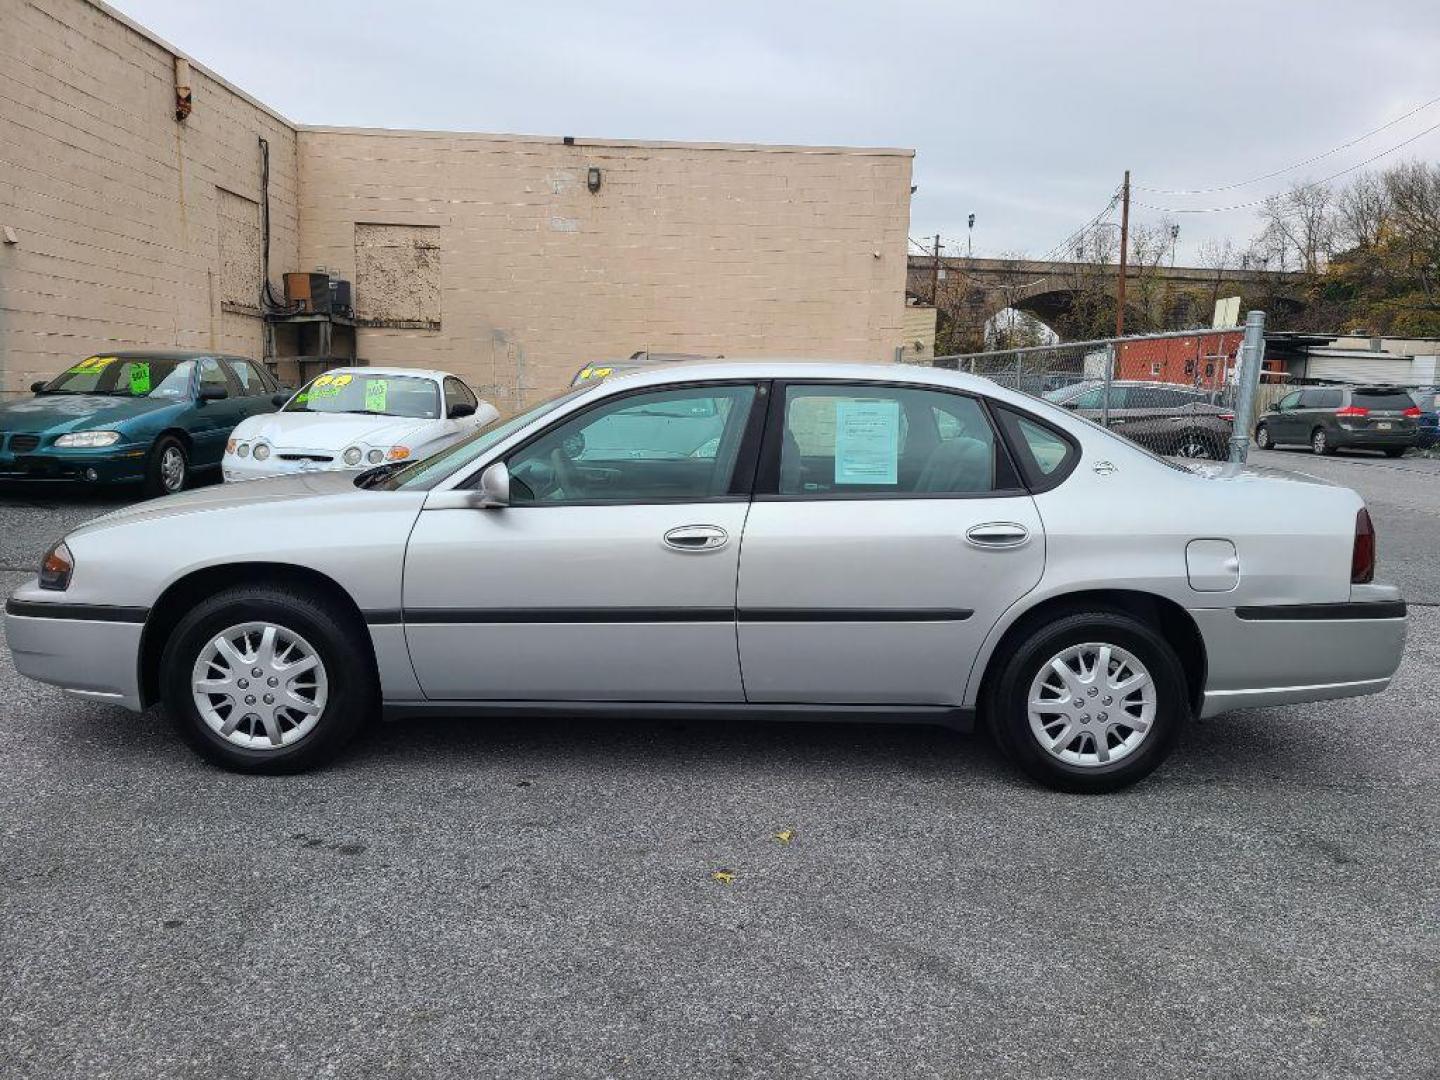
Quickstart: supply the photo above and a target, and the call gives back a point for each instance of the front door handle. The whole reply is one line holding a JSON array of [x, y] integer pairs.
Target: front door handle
[[696, 538], [997, 534]]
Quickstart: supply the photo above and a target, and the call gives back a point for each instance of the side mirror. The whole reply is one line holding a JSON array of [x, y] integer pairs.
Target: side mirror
[[460, 410], [212, 393], [280, 399], [495, 487], [36, 387]]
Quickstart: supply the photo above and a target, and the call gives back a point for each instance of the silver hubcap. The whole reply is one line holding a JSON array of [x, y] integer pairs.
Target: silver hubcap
[[1262, 438], [172, 469], [1092, 705], [1194, 449], [259, 686], [1319, 441]]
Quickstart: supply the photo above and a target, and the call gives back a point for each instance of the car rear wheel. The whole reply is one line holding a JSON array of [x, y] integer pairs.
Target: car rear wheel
[[1200, 444], [265, 680], [1262, 437], [1091, 702], [168, 469], [1319, 444]]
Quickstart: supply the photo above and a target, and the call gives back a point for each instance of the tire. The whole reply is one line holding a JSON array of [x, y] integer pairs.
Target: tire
[[1262, 437], [341, 693], [1395, 451], [1199, 444], [1077, 765], [162, 474], [1320, 443]]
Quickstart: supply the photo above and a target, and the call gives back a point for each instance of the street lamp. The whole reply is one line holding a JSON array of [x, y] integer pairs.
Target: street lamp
[[1174, 239], [969, 236]]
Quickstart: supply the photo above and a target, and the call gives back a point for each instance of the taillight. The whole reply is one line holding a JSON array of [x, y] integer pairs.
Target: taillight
[[1411, 412], [1352, 410], [1228, 417], [1362, 556]]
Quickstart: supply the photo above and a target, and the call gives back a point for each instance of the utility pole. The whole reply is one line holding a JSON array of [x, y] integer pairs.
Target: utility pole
[[1124, 243], [935, 277]]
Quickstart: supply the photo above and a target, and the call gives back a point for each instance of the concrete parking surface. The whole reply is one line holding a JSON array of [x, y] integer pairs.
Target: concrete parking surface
[[539, 898]]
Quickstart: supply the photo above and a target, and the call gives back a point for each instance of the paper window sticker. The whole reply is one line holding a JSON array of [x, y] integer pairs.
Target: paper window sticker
[[377, 392], [867, 442], [140, 379]]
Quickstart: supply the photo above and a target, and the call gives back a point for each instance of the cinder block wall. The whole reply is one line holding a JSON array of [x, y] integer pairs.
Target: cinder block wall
[[122, 213], [484, 254], [524, 274]]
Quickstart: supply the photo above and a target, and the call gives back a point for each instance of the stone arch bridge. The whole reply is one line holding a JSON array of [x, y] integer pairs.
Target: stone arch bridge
[[973, 290]]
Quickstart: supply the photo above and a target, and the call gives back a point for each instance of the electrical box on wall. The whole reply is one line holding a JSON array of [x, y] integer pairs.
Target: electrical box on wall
[[308, 292]]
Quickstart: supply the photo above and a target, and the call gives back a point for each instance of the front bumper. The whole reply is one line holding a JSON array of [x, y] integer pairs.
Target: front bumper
[[1266, 656], [109, 466], [235, 469], [89, 651]]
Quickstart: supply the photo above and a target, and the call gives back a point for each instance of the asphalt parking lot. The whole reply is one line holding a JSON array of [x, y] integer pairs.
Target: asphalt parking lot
[[540, 898]]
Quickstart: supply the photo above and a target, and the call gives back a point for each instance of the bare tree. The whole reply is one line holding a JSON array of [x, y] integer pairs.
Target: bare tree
[[1363, 212], [1303, 220]]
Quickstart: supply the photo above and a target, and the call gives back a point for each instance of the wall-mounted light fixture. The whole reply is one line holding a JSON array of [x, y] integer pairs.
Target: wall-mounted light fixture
[[183, 102], [592, 179]]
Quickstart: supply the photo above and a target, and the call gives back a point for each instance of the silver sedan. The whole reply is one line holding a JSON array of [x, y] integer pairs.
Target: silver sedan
[[768, 539]]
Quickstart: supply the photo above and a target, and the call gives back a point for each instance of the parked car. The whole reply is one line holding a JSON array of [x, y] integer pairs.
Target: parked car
[[152, 417], [763, 539], [1166, 417], [357, 418], [602, 369], [1427, 424], [1330, 418]]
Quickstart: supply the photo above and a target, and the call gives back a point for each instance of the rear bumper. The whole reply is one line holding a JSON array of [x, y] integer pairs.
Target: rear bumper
[[92, 653], [1363, 438], [1281, 655]]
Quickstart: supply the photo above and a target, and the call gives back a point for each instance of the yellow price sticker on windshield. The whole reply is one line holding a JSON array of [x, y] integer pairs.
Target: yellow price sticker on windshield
[[595, 373], [93, 366], [140, 379], [377, 392], [329, 385]]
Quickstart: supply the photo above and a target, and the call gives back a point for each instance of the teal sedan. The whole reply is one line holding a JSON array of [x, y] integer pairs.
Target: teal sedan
[[149, 417]]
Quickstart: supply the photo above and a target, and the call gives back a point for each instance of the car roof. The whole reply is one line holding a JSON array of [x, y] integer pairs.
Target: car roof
[[784, 368], [418, 373], [165, 354]]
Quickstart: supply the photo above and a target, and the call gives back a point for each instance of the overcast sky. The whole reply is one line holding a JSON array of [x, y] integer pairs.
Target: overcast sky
[[1024, 113]]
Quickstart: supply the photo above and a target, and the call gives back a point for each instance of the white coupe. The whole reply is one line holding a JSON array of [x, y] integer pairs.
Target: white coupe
[[357, 418]]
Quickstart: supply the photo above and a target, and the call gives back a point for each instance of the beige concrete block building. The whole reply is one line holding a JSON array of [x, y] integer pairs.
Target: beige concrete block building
[[511, 260]]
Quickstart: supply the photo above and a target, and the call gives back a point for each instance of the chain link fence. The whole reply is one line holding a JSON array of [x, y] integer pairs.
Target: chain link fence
[[1175, 394]]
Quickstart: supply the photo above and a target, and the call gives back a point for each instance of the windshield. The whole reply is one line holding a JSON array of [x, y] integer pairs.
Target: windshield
[[430, 471], [1065, 393], [131, 377], [377, 395]]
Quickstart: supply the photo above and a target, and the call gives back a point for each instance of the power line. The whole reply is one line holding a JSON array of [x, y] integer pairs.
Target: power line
[[1291, 168], [1302, 187]]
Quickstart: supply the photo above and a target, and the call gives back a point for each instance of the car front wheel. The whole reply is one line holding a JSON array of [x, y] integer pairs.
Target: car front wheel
[[1199, 444], [168, 468], [268, 680], [1091, 702], [1262, 438]]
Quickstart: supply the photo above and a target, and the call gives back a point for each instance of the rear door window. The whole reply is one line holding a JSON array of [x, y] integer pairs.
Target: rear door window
[[839, 441]]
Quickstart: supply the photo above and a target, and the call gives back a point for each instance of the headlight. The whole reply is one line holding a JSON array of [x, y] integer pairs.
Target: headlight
[[374, 457], [352, 456], [398, 453], [244, 450], [89, 438], [56, 568], [261, 451]]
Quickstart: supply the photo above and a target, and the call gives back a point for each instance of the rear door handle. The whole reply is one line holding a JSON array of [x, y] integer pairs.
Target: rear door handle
[[696, 538], [997, 534]]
